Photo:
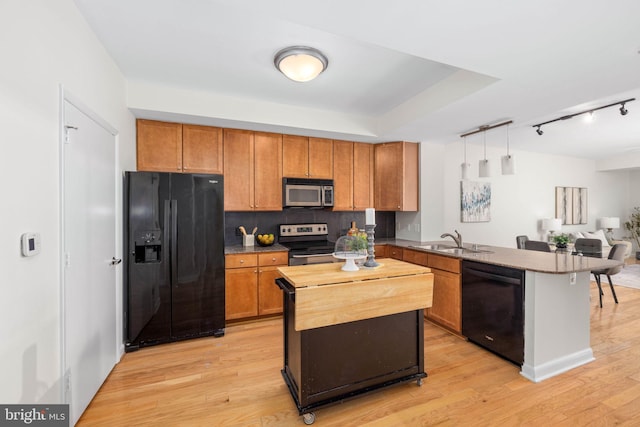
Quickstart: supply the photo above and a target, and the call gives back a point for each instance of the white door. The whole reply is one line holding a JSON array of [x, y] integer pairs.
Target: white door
[[89, 245]]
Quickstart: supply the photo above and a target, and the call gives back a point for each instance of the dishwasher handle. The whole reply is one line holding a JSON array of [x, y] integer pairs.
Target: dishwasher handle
[[493, 276]]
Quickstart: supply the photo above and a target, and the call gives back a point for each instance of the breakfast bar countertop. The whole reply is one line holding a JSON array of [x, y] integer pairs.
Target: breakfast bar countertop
[[541, 262]]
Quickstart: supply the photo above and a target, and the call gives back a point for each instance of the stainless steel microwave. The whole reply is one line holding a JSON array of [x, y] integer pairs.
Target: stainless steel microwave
[[311, 193]]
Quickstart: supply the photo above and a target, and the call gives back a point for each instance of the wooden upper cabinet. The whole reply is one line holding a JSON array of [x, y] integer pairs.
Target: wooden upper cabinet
[[352, 175], [253, 171], [202, 149], [267, 171], [320, 158], [396, 176], [173, 147], [305, 157], [159, 146], [343, 165], [362, 176], [295, 156], [238, 170]]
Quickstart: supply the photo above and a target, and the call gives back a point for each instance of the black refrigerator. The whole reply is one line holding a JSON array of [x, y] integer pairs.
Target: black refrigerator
[[174, 257]]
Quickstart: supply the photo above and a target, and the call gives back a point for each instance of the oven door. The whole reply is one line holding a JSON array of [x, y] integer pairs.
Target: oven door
[[297, 195], [305, 259]]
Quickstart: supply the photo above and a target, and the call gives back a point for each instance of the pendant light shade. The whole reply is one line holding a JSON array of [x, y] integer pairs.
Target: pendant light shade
[[484, 165], [300, 63], [484, 168], [464, 166], [508, 161], [508, 165]]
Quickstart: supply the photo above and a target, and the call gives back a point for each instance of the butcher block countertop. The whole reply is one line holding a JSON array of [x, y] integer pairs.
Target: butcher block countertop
[[325, 295], [323, 274]]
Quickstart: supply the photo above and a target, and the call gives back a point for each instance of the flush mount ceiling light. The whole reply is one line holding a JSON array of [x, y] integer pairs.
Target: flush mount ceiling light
[[623, 112], [300, 63]]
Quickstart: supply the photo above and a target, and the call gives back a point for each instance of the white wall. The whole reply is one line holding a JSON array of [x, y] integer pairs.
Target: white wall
[[44, 44], [520, 201]]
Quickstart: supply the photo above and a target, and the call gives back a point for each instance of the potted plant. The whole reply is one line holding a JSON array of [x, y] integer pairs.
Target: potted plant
[[561, 240], [633, 226]]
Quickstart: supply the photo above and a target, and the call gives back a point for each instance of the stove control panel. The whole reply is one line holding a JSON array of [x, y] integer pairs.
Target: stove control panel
[[295, 230]]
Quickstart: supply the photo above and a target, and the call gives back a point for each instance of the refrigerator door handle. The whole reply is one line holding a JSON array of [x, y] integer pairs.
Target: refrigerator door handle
[[174, 242]]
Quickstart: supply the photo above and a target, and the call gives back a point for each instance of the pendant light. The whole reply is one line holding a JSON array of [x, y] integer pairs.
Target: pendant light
[[483, 164], [465, 167], [508, 162]]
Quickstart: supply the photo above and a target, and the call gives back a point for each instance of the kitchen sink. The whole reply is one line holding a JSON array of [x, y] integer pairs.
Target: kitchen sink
[[435, 247], [462, 251]]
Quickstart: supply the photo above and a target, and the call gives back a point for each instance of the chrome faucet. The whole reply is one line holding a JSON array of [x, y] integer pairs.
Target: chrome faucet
[[458, 239]]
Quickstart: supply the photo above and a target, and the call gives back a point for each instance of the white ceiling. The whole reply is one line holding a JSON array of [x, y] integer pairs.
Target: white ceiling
[[416, 70]]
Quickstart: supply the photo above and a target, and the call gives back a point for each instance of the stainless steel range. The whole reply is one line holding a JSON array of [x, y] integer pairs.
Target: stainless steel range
[[307, 243]]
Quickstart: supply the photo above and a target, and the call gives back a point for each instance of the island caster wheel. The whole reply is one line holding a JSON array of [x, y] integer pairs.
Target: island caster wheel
[[309, 418], [419, 382]]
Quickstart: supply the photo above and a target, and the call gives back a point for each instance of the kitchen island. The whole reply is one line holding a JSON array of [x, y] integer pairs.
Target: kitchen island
[[349, 333], [556, 301]]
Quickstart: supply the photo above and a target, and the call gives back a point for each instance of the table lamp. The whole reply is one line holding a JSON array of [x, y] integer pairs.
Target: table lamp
[[610, 222], [551, 225]]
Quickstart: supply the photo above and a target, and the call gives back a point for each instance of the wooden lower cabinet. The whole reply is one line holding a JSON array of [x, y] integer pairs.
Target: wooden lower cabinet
[[447, 300], [395, 252], [381, 251], [250, 284], [447, 287]]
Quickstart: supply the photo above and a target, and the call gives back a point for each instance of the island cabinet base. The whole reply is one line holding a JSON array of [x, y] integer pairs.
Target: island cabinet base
[[329, 364]]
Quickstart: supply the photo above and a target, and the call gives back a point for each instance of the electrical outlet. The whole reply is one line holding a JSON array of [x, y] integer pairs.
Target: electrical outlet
[[572, 278]]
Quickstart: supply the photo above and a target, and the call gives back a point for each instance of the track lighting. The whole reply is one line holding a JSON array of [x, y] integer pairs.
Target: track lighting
[[623, 111]]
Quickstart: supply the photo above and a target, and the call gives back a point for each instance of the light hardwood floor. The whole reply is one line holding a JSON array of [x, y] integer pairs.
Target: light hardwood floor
[[236, 381]]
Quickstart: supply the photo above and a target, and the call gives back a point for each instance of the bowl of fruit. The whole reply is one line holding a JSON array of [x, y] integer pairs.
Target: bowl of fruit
[[265, 239]]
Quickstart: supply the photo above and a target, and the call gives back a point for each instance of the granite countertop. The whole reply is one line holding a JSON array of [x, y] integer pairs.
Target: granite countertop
[[542, 262], [239, 249]]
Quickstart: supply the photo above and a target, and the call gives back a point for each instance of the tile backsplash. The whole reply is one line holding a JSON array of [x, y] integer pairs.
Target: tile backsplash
[[338, 222]]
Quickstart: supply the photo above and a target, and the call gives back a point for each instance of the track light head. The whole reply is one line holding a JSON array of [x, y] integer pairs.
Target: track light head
[[623, 111], [539, 131]]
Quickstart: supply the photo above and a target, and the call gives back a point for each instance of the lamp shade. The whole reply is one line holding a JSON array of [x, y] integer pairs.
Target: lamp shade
[[464, 169], [300, 63], [610, 222], [484, 169], [552, 224], [508, 165]]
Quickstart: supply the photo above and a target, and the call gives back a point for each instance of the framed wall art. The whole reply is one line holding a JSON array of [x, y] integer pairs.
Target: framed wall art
[[571, 205], [475, 201]]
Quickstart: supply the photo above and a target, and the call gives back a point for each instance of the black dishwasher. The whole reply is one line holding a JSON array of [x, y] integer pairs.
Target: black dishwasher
[[493, 308]]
